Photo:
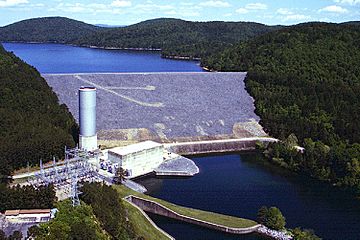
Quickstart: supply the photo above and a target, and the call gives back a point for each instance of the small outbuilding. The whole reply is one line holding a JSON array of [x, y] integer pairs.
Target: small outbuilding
[[137, 159], [28, 215]]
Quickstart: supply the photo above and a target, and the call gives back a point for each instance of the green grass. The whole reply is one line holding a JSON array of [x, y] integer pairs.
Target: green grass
[[216, 218], [141, 225]]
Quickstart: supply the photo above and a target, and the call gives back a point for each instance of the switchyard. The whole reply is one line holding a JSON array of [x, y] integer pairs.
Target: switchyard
[[79, 165]]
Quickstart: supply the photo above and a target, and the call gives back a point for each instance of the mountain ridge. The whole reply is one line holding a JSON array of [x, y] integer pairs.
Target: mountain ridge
[[176, 37]]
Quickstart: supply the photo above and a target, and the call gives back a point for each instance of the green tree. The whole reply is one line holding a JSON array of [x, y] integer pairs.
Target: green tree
[[81, 230], [271, 218], [262, 214], [109, 209], [275, 219], [33, 125], [59, 230], [307, 89], [33, 231], [119, 175], [17, 235], [304, 234], [71, 223], [291, 141]]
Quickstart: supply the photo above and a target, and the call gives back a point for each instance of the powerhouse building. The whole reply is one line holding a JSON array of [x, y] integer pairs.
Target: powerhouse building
[[138, 159]]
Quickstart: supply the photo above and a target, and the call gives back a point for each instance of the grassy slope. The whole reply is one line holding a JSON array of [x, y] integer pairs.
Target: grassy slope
[[216, 218], [141, 225]]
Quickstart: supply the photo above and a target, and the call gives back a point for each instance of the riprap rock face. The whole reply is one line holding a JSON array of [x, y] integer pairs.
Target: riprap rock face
[[169, 105]]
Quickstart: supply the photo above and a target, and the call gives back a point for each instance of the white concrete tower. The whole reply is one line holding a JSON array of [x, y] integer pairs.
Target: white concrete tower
[[87, 118]]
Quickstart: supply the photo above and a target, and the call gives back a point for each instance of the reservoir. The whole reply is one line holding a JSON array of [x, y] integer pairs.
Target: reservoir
[[57, 58], [234, 184]]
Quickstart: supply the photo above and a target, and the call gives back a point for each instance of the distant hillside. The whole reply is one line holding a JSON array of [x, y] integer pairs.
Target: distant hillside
[[48, 29], [177, 37], [174, 36], [306, 81], [33, 125]]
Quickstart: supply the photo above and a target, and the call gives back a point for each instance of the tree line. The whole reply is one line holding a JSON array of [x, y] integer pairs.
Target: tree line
[[306, 83], [33, 125], [109, 209], [175, 37], [26, 197]]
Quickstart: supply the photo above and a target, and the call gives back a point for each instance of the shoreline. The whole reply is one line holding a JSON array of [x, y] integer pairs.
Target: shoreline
[[138, 49], [89, 46]]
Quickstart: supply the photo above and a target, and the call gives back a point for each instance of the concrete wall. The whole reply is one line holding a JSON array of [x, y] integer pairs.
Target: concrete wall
[[154, 207], [212, 147]]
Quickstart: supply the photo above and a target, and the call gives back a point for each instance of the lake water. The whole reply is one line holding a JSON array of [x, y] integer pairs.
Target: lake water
[[231, 184], [240, 184], [57, 58]]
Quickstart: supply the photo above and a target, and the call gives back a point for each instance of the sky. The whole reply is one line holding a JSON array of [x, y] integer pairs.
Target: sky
[[126, 12]]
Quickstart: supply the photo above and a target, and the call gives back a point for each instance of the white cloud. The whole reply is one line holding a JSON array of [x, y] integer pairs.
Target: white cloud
[[190, 14], [212, 3], [37, 5], [334, 9], [92, 8], [121, 3], [351, 2], [289, 15], [74, 8], [296, 17], [11, 3], [172, 12], [284, 11], [150, 7], [256, 6], [186, 4], [242, 10], [97, 6], [251, 7]]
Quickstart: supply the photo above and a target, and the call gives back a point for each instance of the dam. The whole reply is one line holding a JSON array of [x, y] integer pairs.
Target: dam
[[164, 107]]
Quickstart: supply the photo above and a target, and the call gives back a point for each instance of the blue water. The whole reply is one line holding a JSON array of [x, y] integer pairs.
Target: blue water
[[186, 231], [57, 58], [240, 184]]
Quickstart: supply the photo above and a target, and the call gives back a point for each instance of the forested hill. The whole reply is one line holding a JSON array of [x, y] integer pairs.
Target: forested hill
[[178, 37], [48, 29], [174, 36], [33, 125], [306, 80]]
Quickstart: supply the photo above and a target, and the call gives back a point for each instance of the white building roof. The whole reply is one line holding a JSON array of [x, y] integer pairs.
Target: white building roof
[[133, 148], [26, 211]]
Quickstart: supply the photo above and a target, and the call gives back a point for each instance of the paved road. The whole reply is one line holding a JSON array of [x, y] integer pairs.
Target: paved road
[[262, 139]]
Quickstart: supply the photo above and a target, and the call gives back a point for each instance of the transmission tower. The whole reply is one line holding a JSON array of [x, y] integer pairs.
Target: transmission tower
[[75, 191]]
